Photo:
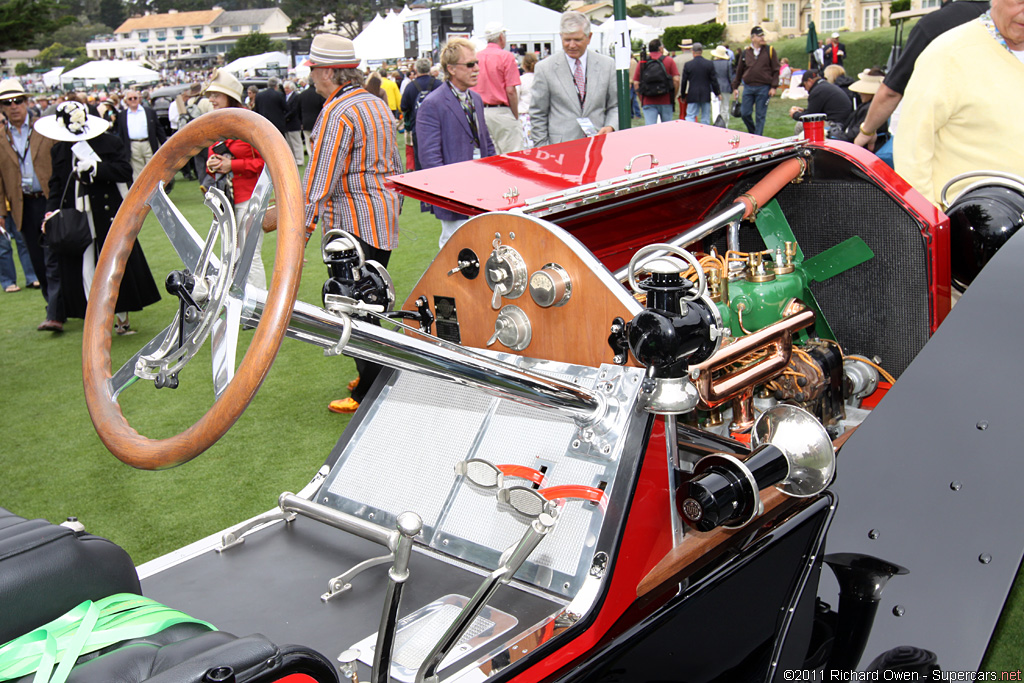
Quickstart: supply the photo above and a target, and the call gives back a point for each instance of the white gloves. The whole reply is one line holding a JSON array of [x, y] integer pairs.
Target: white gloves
[[85, 170]]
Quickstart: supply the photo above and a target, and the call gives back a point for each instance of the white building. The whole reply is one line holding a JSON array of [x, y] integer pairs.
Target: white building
[[182, 37]]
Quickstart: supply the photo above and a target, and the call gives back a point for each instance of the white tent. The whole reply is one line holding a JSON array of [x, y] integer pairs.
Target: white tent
[[51, 79], [103, 71], [246, 66], [381, 39]]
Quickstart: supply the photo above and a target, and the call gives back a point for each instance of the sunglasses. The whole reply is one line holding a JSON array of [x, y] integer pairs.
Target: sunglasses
[[131, 99], [468, 65], [14, 100]]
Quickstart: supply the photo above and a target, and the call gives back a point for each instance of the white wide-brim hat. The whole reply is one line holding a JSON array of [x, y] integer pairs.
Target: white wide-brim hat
[[11, 87], [225, 82], [71, 123]]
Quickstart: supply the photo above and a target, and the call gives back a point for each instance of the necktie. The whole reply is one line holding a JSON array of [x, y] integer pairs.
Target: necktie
[[581, 82]]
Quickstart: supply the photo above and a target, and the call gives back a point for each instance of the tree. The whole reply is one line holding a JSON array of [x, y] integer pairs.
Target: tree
[[61, 55], [112, 13], [23, 21], [556, 5], [310, 17], [21, 69], [642, 10], [78, 34], [253, 44]]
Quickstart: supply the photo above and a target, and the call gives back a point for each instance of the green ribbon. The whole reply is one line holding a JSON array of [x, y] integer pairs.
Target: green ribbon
[[88, 627]]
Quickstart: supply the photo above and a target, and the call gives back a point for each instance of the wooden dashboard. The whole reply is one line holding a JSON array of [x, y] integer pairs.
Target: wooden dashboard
[[565, 300]]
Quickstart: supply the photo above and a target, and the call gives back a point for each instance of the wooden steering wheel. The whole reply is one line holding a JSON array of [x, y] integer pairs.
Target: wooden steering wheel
[[217, 288]]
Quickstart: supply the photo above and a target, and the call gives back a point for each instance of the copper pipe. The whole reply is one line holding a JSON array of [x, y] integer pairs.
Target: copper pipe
[[776, 338], [766, 188], [742, 412]]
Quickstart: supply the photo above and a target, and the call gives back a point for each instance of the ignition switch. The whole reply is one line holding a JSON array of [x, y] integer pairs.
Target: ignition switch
[[512, 329], [506, 274]]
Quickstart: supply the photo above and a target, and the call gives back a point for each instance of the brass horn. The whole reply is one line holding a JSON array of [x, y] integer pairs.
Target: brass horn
[[790, 450]]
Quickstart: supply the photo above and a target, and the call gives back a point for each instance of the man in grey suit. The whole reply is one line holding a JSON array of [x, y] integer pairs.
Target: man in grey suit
[[574, 93]]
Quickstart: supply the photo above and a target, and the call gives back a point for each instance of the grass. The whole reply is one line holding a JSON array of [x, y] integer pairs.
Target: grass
[[54, 465]]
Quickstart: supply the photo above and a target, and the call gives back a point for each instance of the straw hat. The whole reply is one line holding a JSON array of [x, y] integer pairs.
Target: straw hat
[[10, 87], [720, 53], [686, 44], [333, 51], [71, 123], [867, 83], [224, 82]]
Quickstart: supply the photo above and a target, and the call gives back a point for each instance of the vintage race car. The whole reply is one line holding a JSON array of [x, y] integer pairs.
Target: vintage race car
[[634, 407]]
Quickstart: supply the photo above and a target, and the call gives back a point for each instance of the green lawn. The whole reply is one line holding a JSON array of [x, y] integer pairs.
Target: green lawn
[[54, 465]]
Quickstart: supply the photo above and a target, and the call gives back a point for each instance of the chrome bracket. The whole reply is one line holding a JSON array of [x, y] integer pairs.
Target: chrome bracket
[[343, 582], [237, 535]]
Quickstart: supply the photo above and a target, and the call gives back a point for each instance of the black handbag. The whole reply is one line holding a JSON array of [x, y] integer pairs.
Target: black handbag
[[737, 107], [67, 230]]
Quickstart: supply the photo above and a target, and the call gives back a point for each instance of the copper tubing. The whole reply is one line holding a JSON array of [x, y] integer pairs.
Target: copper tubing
[[763, 192], [777, 338]]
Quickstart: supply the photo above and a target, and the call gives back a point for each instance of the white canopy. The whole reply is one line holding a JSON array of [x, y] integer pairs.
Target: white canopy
[[381, 39], [105, 70], [246, 66], [51, 79]]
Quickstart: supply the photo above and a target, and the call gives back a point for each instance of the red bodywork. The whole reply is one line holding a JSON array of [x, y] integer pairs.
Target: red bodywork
[[610, 223], [629, 205]]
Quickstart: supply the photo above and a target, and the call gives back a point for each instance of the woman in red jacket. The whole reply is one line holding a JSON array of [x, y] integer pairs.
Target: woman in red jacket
[[237, 161]]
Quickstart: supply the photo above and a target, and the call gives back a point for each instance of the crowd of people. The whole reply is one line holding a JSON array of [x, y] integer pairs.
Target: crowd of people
[[82, 151]]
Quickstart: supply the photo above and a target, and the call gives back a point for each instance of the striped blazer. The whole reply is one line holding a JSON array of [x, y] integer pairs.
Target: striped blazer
[[354, 149]]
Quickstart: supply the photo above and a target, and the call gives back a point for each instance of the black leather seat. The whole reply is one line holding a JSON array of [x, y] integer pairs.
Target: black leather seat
[[47, 570]]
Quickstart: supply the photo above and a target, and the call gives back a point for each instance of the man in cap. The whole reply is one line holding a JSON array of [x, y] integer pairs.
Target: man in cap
[[354, 149], [657, 81], [25, 169], [758, 71], [140, 131], [682, 59], [573, 88], [823, 98], [499, 77], [451, 125], [699, 82], [965, 99], [722, 63], [835, 52]]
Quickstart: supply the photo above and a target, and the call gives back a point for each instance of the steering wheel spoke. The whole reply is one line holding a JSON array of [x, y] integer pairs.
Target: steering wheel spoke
[[224, 340], [184, 239], [211, 289], [251, 226], [127, 375]]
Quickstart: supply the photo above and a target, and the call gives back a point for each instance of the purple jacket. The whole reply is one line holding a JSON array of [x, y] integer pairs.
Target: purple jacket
[[443, 135]]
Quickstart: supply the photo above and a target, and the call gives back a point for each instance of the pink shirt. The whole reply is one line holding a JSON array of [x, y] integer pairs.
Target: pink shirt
[[498, 71]]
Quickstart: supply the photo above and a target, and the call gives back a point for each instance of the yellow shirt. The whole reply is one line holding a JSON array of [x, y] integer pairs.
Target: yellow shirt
[[390, 89], [962, 111]]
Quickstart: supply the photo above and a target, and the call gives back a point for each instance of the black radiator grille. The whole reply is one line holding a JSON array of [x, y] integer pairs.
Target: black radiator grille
[[879, 308]]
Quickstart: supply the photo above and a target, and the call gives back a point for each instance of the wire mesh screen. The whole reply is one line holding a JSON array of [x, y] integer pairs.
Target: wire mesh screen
[[879, 308]]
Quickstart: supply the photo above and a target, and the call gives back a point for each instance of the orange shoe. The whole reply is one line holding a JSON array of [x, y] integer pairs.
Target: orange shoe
[[353, 384], [343, 405]]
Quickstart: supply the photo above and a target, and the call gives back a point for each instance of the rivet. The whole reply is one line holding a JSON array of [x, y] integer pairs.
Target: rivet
[[983, 425], [873, 534], [955, 485], [984, 558], [898, 611]]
